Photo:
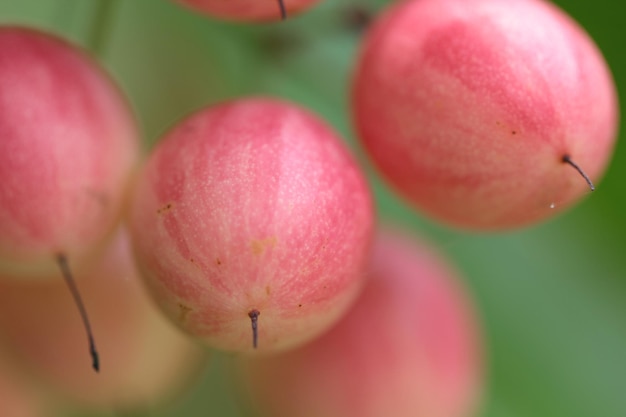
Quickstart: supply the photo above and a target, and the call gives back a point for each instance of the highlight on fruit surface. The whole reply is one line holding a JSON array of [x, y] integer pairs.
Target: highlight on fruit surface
[[68, 144], [485, 114], [146, 361], [409, 347], [249, 10], [252, 212]]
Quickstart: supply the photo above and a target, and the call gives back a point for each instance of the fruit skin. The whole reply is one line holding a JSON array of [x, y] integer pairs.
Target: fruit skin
[[247, 10], [468, 107], [18, 398], [145, 361], [68, 145], [252, 204], [409, 347]]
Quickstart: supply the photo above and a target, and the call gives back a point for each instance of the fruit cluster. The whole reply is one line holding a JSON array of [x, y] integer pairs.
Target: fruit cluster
[[250, 228]]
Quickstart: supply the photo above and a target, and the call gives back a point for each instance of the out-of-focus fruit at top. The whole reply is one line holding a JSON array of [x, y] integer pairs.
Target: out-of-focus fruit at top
[[68, 144], [247, 10]]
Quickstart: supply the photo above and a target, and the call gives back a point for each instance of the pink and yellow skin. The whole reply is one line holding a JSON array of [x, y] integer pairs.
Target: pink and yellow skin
[[468, 107], [145, 361], [251, 205], [409, 347], [248, 10], [68, 145]]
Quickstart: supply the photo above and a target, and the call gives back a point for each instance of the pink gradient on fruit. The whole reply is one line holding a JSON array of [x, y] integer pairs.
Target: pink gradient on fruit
[[467, 107], [68, 143], [410, 347], [144, 359], [247, 10], [252, 204]]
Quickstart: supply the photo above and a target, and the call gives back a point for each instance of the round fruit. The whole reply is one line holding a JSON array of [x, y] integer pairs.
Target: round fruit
[[68, 144], [481, 111], [252, 211]]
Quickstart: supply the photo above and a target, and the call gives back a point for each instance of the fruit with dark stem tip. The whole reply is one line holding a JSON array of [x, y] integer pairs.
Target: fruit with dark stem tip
[[477, 111], [146, 361], [252, 210], [249, 10], [68, 144]]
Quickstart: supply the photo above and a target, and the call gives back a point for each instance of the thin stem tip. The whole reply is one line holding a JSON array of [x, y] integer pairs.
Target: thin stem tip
[[283, 10], [71, 284], [254, 318], [568, 160]]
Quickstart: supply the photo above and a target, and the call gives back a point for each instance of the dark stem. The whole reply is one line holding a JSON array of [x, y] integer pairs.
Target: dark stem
[[69, 280], [568, 160], [356, 18], [254, 317], [283, 9], [100, 26]]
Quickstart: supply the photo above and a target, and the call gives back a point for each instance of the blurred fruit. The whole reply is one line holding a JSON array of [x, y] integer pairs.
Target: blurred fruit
[[410, 347], [145, 360]]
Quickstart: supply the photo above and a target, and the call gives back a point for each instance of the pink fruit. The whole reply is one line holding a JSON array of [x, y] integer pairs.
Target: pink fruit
[[249, 10], [252, 206], [473, 109], [145, 359], [68, 143], [409, 347]]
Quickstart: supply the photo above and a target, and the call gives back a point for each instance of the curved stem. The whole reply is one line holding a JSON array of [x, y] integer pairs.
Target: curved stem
[[283, 9], [567, 159], [100, 26], [69, 280]]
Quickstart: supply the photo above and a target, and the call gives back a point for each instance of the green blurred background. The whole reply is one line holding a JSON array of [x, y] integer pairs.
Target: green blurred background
[[552, 297]]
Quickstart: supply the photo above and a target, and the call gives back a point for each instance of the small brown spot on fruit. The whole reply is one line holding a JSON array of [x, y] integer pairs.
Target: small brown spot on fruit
[[165, 208], [299, 305], [183, 312], [513, 132], [218, 261], [268, 291]]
